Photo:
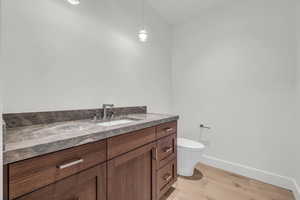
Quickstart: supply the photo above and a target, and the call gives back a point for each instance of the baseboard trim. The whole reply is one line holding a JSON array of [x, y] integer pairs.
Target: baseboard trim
[[257, 174], [296, 190]]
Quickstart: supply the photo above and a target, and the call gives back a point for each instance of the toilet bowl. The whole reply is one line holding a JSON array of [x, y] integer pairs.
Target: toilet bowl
[[189, 154]]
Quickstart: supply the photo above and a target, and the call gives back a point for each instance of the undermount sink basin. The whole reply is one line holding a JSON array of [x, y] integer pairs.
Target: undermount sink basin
[[116, 122], [71, 127]]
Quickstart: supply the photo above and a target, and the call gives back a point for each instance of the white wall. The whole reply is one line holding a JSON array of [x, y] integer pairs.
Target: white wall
[[1, 107], [297, 147], [58, 56], [234, 68]]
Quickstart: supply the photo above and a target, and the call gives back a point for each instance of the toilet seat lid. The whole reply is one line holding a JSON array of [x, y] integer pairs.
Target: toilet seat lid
[[186, 143]]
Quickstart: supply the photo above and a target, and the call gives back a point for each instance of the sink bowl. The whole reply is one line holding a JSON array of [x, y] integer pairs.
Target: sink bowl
[[71, 127], [116, 122]]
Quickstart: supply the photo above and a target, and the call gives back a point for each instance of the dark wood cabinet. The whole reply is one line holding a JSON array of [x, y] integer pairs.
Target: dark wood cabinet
[[139, 165], [132, 175], [166, 150], [32, 174], [124, 143], [87, 185], [166, 176], [166, 129]]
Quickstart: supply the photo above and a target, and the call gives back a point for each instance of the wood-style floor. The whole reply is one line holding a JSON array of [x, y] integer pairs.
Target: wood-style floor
[[217, 184]]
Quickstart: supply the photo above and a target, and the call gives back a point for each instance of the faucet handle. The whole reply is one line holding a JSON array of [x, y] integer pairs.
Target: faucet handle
[[4, 126], [112, 114], [95, 117]]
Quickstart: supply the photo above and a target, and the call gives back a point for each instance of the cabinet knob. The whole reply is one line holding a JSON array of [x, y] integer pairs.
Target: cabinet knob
[[168, 149], [167, 177]]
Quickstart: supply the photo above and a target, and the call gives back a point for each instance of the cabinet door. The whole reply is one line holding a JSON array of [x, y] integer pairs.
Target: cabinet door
[[87, 185], [132, 176]]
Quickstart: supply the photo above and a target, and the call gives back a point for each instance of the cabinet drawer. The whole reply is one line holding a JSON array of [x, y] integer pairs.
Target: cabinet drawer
[[166, 129], [166, 150], [89, 184], [166, 176], [124, 143], [29, 175]]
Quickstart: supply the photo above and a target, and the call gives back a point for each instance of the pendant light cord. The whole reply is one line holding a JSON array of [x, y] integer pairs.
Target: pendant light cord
[[143, 14]]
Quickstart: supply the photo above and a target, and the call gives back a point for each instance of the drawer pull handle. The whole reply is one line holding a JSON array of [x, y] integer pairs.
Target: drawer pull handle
[[168, 149], [76, 162], [167, 177], [169, 129]]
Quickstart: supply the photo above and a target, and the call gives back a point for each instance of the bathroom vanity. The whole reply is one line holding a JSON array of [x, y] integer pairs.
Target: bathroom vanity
[[131, 161]]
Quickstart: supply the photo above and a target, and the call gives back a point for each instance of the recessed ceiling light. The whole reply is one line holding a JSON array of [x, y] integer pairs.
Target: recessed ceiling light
[[74, 2]]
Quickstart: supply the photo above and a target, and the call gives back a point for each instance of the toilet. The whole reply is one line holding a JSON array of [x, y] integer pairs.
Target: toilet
[[189, 154]]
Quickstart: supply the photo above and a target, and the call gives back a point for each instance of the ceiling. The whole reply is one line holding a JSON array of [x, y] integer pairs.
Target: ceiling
[[179, 11]]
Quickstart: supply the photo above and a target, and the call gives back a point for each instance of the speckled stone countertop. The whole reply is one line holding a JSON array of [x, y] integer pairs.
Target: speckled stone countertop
[[29, 141]]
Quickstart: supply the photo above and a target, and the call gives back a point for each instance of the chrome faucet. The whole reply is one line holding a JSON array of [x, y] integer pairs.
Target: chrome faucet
[[105, 106]]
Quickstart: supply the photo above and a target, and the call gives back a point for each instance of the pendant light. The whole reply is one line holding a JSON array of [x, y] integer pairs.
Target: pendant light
[[143, 34], [74, 2]]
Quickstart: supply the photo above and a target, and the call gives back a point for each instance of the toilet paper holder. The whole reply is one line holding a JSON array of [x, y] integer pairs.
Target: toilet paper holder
[[203, 126], [204, 137]]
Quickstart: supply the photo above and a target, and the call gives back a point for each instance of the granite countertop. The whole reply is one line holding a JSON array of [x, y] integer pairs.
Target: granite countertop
[[29, 141]]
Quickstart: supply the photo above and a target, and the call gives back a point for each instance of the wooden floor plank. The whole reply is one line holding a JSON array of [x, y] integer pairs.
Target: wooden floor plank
[[218, 184]]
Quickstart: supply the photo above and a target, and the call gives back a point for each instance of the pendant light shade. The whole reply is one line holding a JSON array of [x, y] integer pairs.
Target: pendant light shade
[[143, 35], [74, 2]]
